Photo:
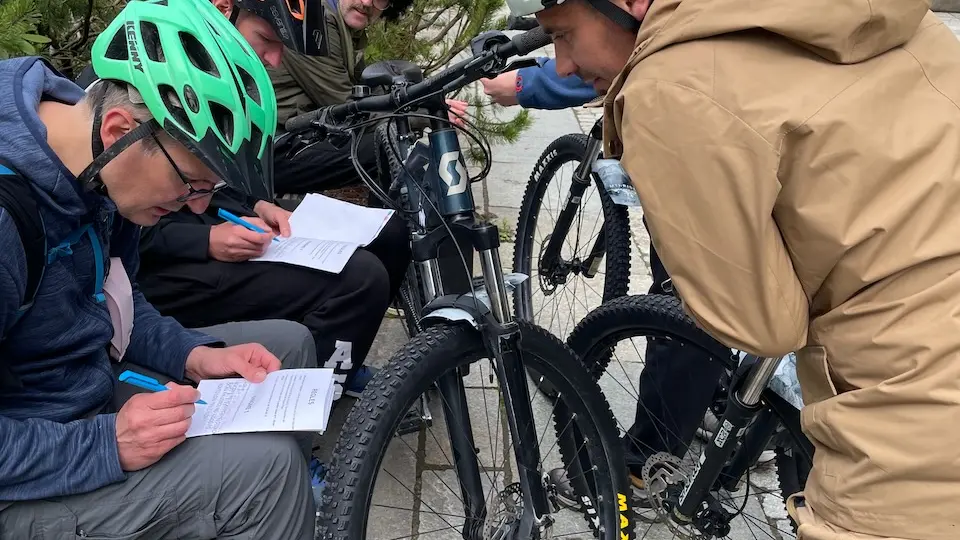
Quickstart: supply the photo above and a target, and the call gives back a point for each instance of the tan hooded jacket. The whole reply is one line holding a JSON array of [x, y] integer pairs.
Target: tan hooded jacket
[[799, 169]]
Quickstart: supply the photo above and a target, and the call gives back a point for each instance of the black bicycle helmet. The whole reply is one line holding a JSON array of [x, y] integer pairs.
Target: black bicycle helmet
[[522, 8], [299, 23]]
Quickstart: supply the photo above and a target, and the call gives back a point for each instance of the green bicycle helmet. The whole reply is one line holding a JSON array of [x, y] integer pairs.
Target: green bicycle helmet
[[202, 83]]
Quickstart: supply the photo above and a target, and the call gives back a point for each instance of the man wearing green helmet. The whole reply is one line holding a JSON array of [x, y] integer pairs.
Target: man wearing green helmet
[[184, 109]]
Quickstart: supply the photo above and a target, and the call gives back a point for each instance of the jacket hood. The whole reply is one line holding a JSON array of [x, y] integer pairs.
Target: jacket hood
[[23, 137], [840, 31]]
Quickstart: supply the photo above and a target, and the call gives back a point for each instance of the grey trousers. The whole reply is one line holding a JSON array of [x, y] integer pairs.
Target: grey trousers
[[239, 486]]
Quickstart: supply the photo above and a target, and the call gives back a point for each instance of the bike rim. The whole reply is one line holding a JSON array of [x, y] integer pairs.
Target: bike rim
[[758, 503], [420, 466]]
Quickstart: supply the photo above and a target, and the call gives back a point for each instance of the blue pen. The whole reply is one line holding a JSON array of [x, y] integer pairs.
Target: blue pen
[[229, 216], [147, 383]]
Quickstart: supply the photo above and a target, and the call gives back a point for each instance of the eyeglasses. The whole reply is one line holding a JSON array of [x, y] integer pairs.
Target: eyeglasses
[[382, 5], [193, 193]]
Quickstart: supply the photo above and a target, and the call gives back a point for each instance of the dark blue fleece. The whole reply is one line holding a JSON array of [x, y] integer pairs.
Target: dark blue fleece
[[50, 443]]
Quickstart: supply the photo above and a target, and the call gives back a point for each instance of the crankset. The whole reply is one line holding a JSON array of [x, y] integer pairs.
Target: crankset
[[665, 480]]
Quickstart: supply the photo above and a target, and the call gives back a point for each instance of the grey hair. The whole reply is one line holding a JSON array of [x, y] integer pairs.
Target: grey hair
[[111, 95]]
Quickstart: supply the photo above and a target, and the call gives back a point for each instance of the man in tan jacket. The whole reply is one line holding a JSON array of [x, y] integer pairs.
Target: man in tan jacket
[[799, 169]]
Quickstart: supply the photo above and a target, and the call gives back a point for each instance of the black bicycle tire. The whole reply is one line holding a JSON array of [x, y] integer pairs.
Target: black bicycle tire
[[572, 147], [363, 440], [663, 315], [654, 313], [389, 153]]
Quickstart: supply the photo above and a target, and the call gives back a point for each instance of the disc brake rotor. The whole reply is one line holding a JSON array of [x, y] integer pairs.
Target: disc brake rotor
[[663, 475], [503, 513], [504, 510]]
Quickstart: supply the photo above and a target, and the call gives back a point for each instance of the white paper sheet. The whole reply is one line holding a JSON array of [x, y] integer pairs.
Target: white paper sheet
[[288, 400], [325, 232], [325, 218], [325, 255]]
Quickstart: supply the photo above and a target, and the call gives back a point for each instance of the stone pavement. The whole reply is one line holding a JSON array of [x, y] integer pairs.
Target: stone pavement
[[420, 497]]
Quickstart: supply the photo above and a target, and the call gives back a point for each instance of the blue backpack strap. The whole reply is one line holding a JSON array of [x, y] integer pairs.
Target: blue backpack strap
[[65, 248]]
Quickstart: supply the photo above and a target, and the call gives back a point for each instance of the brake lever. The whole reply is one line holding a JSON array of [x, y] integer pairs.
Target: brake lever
[[520, 64]]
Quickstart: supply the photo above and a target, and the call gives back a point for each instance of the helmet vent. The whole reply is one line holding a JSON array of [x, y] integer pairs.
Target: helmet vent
[[117, 49], [174, 106], [223, 119], [249, 85], [198, 56], [151, 41]]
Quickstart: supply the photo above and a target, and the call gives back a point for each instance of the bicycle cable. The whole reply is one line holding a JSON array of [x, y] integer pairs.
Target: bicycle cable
[[354, 153]]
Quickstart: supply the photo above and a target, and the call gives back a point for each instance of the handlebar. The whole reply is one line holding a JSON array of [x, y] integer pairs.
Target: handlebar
[[519, 45]]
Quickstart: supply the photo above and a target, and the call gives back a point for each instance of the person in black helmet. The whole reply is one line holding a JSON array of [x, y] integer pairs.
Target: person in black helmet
[[196, 268]]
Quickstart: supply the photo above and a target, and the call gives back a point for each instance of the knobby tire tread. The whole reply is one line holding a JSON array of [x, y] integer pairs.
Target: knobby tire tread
[[422, 360], [572, 147], [663, 315]]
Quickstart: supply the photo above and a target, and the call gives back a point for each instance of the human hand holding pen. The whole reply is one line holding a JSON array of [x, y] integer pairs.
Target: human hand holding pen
[[233, 243], [151, 424]]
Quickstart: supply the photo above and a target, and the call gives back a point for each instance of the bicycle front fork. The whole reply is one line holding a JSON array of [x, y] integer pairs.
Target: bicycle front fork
[[741, 408], [503, 342], [513, 380], [550, 258]]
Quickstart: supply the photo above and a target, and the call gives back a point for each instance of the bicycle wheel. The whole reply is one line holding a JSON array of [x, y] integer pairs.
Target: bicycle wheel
[[416, 495], [548, 290], [610, 340]]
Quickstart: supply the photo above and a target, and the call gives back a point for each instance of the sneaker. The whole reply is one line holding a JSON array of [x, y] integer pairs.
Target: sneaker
[[318, 473], [360, 379]]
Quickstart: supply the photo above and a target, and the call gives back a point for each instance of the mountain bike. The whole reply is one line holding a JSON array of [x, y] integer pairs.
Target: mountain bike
[[468, 346], [573, 235], [703, 491]]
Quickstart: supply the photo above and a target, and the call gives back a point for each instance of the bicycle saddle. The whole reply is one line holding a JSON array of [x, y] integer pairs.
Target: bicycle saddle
[[388, 72]]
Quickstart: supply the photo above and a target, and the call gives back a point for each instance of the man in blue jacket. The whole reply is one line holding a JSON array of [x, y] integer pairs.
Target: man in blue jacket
[[144, 141], [677, 382], [539, 88]]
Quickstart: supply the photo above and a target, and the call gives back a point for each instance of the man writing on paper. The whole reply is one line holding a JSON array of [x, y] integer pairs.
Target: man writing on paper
[[195, 266], [98, 166]]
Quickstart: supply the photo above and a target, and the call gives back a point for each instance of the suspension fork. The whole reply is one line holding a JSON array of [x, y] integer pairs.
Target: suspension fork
[[513, 379], [453, 397], [581, 180], [743, 404]]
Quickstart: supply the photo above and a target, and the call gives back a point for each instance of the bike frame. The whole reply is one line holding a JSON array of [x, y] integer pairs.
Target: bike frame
[[440, 232]]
